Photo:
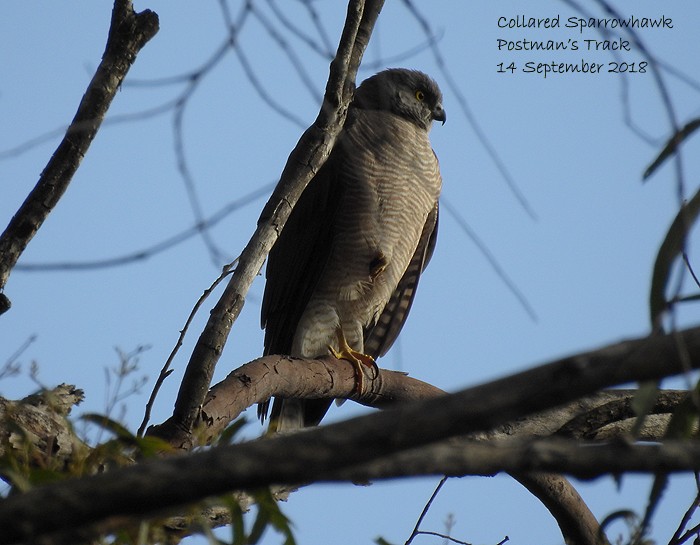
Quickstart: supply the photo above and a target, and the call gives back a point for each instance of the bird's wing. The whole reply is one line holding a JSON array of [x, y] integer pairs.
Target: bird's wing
[[298, 258], [380, 337], [295, 265]]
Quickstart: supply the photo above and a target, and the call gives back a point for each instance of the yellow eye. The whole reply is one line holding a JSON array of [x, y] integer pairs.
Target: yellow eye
[[420, 95]]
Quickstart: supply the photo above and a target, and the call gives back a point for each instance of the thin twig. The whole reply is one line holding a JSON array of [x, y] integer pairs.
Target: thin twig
[[325, 50], [154, 249], [416, 529], [166, 371], [426, 507], [678, 536], [495, 265]]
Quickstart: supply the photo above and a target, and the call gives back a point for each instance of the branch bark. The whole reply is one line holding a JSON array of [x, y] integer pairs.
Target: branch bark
[[283, 376], [38, 427], [128, 33], [306, 159], [339, 451], [584, 460], [577, 524], [573, 378]]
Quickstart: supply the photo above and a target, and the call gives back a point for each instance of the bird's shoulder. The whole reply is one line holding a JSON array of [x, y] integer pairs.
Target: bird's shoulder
[[380, 131]]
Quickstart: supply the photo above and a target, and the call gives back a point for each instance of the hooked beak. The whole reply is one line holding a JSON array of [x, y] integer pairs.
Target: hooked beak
[[439, 113]]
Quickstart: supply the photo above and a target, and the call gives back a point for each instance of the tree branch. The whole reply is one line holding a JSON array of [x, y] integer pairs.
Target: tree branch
[[584, 460], [283, 376], [306, 159], [37, 426], [339, 451], [128, 33], [577, 524], [574, 377]]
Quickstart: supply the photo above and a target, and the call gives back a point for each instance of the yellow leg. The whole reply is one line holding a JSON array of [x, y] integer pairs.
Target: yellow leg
[[358, 359]]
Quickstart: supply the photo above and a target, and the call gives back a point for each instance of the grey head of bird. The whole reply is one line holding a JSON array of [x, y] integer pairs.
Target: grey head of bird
[[407, 93]]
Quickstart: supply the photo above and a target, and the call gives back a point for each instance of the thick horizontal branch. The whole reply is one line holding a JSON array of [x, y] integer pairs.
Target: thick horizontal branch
[[584, 460], [324, 453], [283, 376], [330, 378]]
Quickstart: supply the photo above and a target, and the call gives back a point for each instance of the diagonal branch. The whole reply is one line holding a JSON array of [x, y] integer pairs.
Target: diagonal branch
[[305, 160], [128, 33]]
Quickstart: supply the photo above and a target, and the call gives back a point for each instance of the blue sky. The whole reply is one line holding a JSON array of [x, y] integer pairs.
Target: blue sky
[[584, 264]]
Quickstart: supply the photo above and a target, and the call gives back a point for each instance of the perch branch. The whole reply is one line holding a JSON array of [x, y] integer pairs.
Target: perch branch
[[283, 376]]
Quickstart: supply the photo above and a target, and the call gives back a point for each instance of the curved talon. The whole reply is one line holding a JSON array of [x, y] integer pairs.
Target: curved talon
[[358, 359]]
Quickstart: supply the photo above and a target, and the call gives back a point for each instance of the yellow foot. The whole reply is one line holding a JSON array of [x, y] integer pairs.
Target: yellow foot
[[358, 359]]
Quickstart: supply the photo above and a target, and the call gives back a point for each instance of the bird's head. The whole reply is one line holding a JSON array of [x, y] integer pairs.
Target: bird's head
[[407, 93]]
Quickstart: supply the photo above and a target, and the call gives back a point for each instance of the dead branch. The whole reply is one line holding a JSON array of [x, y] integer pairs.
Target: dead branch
[[584, 460], [37, 426]]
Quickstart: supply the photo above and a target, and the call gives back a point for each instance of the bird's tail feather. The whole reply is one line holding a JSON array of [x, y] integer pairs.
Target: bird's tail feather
[[290, 415], [287, 415]]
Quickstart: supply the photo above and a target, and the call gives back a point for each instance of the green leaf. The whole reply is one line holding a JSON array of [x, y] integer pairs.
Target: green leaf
[[226, 437], [18, 479], [270, 513], [684, 419], [261, 522], [670, 249], [671, 146], [110, 425], [152, 446], [237, 524], [643, 403], [628, 516]]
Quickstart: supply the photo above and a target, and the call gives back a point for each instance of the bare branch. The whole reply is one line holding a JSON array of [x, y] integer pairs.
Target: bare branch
[[283, 376], [488, 254], [323, 49], [576, 522], [416, 529], [154, 249], [570, 378], [166, 370], [128, 33]]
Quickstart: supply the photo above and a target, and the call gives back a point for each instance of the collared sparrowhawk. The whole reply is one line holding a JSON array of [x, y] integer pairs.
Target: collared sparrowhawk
[[343, 273]]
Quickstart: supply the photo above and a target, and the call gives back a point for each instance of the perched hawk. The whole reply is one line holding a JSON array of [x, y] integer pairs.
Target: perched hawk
[[343, 273]]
